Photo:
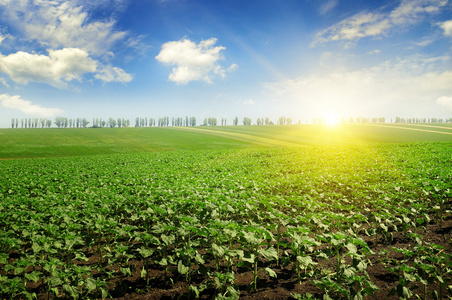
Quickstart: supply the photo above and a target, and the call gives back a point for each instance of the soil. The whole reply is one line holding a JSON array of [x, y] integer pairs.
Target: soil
[[175, 286]]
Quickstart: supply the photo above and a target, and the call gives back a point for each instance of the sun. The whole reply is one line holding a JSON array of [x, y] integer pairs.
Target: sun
[[332, 118]]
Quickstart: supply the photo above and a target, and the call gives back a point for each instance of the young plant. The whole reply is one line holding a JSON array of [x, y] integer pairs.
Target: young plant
[[302, 246], [253, 243]]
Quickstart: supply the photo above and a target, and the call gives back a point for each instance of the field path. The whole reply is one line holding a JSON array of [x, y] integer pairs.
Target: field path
[[417, 129], [240, 137]]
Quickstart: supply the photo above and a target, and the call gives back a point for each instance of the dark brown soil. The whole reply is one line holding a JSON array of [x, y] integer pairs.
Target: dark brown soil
[[175, 286]]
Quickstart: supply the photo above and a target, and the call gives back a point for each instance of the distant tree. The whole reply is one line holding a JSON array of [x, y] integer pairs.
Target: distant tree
[[246, 121], [48, 123], [13, 122], [258, 122], [193, 121], [212, 121], [17, 122], [282, 120], [236, 121], [112, 123], [85, 123], [58, 121]]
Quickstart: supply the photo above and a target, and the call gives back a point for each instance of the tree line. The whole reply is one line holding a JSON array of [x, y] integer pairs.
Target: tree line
[[63, 122]]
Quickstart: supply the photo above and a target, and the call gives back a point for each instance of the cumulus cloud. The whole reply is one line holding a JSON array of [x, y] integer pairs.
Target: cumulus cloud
[[447, 27], [445, 101], [193, 61], [371, 24], [401, 86], [15, 102], [60, 65], [76, 42], [113, 74], [62, 24]]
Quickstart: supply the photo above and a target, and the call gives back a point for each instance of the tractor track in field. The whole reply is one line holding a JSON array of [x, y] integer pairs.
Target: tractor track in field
[[241, 137], [416, 129]]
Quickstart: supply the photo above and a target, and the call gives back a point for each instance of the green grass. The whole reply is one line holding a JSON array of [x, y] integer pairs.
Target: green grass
[[36, 143]]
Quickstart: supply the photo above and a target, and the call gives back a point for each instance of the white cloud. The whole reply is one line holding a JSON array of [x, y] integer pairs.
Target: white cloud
[[71, 36], [424, 43], [447, 27], [328, 6], [3, 81], [402, 86], [113, 74], [233, 67], [371, 24], [376, 51], [192, 61], [62, 24], [66, 64], [15, 102], [445, 101]]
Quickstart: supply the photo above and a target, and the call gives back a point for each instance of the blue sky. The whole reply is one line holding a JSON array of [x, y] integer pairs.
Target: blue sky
[[300, 59]]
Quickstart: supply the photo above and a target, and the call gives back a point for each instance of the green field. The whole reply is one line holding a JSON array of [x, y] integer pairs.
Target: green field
[[33, 143], [253, 212]]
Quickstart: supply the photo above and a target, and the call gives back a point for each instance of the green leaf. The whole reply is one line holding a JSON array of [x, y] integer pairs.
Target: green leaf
[[163, 262], [232, 293], [36, 247], [90, 284], [248, 257], [351, 248], [270, 272], [194, 289], [251, 238], [81, 256], [409, 277], [269, 253], [54, 281], [349, 272], [404, 292], [104, 293], [143, 272], [71, 290], [218, 250], [181, 268], [29, 296], [126, 271], [146, 252], [33, 276], [55, 291], [4, 258]]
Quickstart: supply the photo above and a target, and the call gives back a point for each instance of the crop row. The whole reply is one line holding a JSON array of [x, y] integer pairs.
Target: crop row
[[84, 227]]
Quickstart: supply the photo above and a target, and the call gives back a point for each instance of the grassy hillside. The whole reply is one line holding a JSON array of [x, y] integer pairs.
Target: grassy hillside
[[33, 143]]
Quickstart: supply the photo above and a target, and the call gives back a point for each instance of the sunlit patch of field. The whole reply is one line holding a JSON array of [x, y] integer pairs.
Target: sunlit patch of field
[[33, 143]]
